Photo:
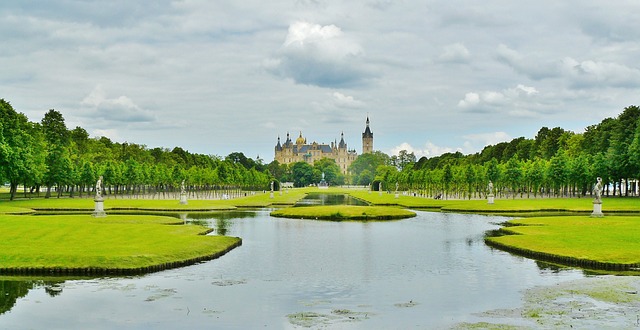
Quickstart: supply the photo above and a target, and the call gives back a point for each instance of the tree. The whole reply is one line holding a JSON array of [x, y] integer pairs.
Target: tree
[[368, 162], [513, 174], [302, 174], [331, 170], [58, 160], [403, 159], [558, 172]]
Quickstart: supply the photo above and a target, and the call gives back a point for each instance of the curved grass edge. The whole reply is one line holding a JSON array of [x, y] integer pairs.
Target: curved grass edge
[[560, 259], [344, 213], [105, 271]]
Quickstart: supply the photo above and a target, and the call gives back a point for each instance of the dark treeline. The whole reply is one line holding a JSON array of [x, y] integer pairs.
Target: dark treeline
[[556, 162], [48, 156]]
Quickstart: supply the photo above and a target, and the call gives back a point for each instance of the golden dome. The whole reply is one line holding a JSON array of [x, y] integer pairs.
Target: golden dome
[[300, 139]]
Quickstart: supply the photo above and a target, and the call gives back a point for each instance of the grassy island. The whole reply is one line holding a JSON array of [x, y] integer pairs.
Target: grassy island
[[119, 245], [343, 213], [599, 243]]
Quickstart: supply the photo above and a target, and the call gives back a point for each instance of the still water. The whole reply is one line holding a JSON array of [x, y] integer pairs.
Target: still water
[[431, 271]]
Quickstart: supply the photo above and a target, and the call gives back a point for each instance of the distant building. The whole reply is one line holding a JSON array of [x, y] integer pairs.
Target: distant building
[[301, 151]]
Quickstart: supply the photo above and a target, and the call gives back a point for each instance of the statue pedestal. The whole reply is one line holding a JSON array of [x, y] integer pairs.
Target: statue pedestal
[[397, 196], [99, 210], [183, 199], [597, 210], [490, 199], [271, 195]]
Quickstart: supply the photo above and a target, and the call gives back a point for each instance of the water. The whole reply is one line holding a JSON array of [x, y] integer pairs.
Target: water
[[430, 271], [313, 199]]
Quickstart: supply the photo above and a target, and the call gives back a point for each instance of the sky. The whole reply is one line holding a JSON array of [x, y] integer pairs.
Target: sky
[[216, 77]]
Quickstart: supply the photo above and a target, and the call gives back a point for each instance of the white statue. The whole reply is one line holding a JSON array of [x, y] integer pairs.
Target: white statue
[[597, 191], [271, 186], [490, 187], [99, 188], [182, 190]]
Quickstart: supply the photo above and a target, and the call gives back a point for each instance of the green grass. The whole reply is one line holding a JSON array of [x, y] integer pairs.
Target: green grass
[[259, 199], [609, 240], [343, 212], [375, 198], [584, 205], [110, 204], [114, 242]]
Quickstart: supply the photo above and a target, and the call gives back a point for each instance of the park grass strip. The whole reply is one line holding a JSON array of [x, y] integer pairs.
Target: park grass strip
[[119, 245], [609, 243], [343, 213]]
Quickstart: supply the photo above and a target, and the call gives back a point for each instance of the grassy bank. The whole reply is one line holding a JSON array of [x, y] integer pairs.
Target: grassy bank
[[343, 213], [601, 243], [83, 245], [259, 199]]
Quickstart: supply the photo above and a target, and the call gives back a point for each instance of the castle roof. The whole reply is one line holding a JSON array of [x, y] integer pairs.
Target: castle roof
[[367, 131]]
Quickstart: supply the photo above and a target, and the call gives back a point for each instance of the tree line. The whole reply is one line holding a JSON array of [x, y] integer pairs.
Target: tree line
[[556, 162], [48, 156]]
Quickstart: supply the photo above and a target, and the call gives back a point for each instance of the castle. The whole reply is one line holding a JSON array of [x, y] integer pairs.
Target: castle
[[288, 152]]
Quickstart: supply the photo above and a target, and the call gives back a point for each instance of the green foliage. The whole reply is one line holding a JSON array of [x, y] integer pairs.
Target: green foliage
[[331, 170], [303, 174], [363, 169]]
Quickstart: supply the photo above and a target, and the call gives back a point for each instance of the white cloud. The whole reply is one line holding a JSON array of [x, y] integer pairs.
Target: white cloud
[[506, 100], [120, 109], [485, 139], [345, 101], [455, 53], [470, 100], [529, 66], [428, 150], [577, 74], [594, 73], [319, 55]]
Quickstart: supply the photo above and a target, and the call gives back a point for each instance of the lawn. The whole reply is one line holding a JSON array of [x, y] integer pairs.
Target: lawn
[[343, 213], [81, 242], [613, 240]]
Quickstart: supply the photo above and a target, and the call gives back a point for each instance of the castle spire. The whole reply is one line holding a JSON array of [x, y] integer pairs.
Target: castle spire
[[367, 139]]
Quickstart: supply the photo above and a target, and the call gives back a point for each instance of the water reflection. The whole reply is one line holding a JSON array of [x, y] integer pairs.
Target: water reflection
[[313, 199], [219, 221], [13, 289]]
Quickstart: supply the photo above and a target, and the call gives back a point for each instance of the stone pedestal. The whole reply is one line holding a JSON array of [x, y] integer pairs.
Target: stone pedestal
[[271, 194], [183, 199], [397, 196], [597, 210], [490, 199], [99, 210]]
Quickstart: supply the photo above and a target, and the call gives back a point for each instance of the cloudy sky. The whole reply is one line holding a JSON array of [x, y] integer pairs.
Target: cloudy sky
[[215, 77]]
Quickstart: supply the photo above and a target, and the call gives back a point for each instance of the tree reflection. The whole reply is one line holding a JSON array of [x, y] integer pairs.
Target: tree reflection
[[10, 291]]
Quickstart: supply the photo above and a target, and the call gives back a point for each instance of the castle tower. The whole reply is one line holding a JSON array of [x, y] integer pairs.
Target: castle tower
[[367, 139]]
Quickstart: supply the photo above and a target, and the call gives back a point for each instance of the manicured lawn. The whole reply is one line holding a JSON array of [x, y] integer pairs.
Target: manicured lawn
[[343, 212], [81, 241], [110, 204], [375, 198], [613, 239], [259, 199], [612, 204]]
